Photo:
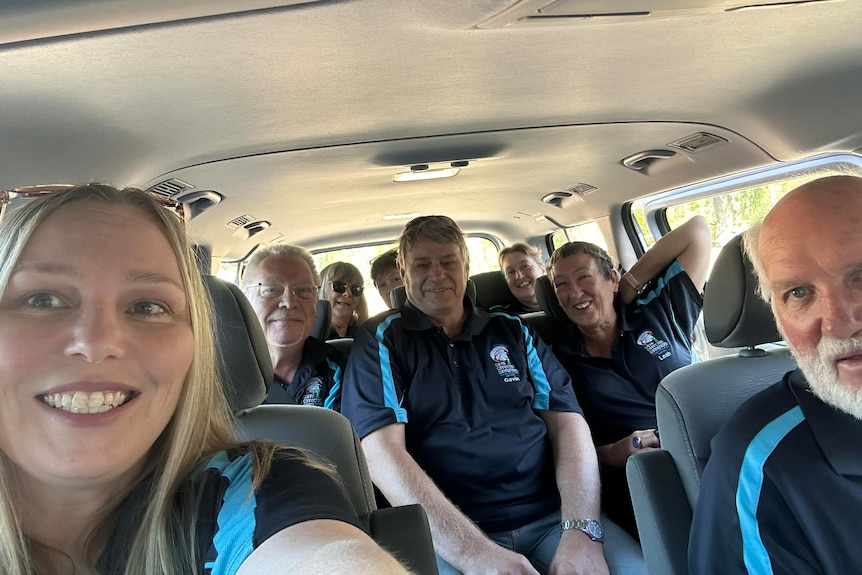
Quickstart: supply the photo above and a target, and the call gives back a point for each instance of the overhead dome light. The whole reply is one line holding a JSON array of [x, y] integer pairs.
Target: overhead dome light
[[426, 174]]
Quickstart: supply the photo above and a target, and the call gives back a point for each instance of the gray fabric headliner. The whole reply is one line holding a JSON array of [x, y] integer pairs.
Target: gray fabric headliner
[[138, 105]]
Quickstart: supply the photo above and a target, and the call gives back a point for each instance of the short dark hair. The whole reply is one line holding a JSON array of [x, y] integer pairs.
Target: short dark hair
[[438, 229], [383, 263], [603, 260]]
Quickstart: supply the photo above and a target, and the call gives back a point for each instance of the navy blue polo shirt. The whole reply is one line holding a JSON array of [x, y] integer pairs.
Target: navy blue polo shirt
[[618, 393], [470, 407], [782, 491], [318, 379], [231, 517]]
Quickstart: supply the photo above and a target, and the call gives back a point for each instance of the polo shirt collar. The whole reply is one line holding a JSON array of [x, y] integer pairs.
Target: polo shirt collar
[[415, 320], [630, 319], [837, 433], [313, 351]]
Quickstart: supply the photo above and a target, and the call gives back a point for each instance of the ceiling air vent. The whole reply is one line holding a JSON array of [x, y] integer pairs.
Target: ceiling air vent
[[240, 221], [170, 187], [697, 142], [582, 189]]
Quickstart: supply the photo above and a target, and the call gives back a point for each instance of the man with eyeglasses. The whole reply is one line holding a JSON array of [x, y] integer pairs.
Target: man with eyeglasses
[[469, 414], [282, 284]]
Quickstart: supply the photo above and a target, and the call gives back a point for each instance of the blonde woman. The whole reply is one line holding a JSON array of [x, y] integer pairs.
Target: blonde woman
[[521, 264], [116, 454], [342, 284]]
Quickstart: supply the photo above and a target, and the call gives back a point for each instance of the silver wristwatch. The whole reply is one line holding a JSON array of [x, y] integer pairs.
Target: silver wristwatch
[[589, 526]]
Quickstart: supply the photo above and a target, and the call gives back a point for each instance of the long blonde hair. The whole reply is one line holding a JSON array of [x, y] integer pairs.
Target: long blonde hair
[[201, 425]]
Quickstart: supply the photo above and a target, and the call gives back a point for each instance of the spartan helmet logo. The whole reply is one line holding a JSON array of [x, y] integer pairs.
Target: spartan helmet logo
[[500, 354]]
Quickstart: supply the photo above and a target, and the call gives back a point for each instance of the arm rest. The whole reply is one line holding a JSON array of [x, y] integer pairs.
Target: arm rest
[[404, 532], [662, 511]]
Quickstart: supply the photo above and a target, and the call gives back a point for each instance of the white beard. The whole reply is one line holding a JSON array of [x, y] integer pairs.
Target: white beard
[[822, 373]]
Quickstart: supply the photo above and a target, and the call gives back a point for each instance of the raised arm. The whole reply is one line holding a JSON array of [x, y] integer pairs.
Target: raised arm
[[689, 244], [456, 539], [577, 475]]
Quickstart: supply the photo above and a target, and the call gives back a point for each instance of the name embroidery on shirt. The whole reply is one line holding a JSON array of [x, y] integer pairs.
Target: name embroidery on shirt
[[313, 392], [503, 362], [657, 347]]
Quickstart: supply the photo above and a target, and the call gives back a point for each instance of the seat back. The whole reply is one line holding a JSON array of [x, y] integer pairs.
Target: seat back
[[492, 290], [692, 404], [323, 322], [247, 374], [548, 301]]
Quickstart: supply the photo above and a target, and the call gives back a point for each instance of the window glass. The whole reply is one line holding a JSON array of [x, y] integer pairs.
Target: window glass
[[361, 257], [229, 271], [587, 232], [482, 250], [728, 214]]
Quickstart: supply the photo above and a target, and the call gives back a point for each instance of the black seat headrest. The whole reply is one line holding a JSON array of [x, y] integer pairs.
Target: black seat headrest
[[399, 294], [733, 314], [323, 323], [492, 290], [548, 301], [245, 366]]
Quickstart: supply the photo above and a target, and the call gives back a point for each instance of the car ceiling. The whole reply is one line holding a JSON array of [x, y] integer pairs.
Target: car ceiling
[[298, 115]]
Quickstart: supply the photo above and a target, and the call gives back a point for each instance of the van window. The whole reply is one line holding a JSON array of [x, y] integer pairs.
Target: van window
[[482, 250], [587, 232], [728, 214]]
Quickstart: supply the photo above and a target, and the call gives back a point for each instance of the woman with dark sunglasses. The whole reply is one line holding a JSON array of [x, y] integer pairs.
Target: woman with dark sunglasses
[[342, 285]]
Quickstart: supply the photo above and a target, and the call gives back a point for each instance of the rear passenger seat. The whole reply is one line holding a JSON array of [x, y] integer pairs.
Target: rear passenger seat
[[547, 328], [247, 373], [492, 291]]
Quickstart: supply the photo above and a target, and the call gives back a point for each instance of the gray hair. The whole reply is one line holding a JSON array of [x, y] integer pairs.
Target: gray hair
[[751, 247], [603, 260], [257, 258]]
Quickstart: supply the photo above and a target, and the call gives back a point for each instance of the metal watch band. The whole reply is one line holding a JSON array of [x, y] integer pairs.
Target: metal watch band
[[589, 526]]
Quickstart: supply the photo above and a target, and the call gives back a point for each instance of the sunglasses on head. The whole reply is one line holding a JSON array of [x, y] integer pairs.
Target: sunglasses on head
[[29, 192], [341, 287]]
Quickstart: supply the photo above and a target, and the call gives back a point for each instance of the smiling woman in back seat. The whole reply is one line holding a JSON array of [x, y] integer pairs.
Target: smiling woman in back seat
[[342, 285], [521, 264], [624, 335], [116, 454]]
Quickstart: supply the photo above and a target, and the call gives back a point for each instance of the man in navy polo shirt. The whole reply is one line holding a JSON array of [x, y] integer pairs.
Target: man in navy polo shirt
[[282, 283], [470, 415], [782, 492]]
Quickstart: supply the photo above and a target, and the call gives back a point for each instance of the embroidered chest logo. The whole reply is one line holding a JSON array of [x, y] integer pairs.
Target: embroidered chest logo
[[503, 362], [657, 347], [313, 392]]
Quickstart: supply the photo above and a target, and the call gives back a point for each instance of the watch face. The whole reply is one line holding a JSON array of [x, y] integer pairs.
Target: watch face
[[594, 529]]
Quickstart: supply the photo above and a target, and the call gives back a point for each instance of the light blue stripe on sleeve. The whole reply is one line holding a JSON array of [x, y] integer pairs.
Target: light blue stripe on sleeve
[[754, 552], [541, 400], [390, 397], [236, 521], [336, 384], [672, 270]]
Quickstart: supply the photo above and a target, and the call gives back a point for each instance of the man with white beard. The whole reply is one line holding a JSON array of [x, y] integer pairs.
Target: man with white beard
[[782, 492]]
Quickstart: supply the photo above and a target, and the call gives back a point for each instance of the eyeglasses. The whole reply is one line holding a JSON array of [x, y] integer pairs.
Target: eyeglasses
[[303, 292], [341, 287], [30, 192]]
